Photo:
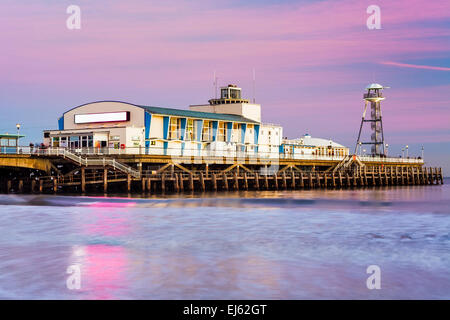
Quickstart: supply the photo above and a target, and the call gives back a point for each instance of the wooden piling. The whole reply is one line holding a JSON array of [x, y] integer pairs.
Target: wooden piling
[[302, 183], [20, 186], [163, 182], [83, 179], [191, 182], [275, 181], [176, 183], [225, 181], [180, 181], [214, 181], [256, 181], [284, 182], [105, 180], [202, 182], [245, 181], [266, 181]]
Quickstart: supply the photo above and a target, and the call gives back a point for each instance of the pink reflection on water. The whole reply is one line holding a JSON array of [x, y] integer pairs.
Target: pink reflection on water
[[103, 272], [111, 204], [107, 222]]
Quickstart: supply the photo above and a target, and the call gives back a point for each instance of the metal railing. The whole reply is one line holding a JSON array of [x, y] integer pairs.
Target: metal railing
[[82, 155]]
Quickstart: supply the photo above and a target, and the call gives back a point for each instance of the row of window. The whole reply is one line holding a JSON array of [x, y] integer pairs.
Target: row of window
[[207, 130], [8, 142]]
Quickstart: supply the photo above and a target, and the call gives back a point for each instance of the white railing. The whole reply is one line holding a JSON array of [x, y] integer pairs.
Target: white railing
[[390, 159], [82, 155]]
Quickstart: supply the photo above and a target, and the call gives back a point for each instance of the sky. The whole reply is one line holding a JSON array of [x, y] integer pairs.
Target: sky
[[312, 61]]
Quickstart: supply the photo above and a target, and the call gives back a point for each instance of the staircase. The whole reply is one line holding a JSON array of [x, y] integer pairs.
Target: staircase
[[99, 162], [346, 162]]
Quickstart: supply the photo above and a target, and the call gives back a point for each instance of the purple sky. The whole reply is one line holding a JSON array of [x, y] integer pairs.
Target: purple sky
[[313, 60]]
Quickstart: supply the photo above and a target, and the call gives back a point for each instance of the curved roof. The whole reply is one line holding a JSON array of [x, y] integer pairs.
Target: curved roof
[[307, 140], [374, 86], [178, 112]]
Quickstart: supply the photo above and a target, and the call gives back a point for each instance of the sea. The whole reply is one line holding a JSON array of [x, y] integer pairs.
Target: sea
[[370, 243]]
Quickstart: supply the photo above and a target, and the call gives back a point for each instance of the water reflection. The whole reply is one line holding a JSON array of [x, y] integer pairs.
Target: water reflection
[[252, 245]]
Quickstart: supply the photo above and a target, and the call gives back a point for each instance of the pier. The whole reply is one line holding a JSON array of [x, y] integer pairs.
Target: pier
[[61, 171]]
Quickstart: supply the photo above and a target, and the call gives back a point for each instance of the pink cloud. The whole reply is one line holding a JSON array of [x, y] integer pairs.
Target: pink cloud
[[416, 66]]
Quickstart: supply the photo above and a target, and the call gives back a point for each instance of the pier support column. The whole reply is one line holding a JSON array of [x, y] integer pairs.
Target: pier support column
[[202, 181], [128, 183], [318, 180], [163, 182], [311, 180], [105, 180], [176, 183], [292, 180], [41, 185], [225, 181], [236, 181], [266, 181], [245, 181], [180, 181], [83, 179], [149, 185], [284, 180], [33, 186], [55, 184], [214, 181], [340, 179], [256, 181], [275, 181], [302, 183], [20, 186], [333, 180]]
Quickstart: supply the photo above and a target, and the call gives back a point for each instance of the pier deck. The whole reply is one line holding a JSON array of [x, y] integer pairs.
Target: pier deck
[[59, 170]]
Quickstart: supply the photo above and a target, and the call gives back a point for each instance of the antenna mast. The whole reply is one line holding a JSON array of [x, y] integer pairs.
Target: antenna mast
[[254, 80]]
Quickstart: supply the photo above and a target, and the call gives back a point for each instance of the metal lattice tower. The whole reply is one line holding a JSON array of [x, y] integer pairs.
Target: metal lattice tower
[[373, 96]]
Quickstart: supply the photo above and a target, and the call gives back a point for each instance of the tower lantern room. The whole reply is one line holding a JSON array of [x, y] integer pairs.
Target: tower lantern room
[[229, 94]]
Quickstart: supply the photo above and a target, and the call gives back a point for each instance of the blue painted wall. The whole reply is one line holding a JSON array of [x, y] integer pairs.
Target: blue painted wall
[[243, 130], [183, 133], [147, 123], [198, 125], [166, 132], [229, 128], [61, 123], [215, 125], [256, 136]]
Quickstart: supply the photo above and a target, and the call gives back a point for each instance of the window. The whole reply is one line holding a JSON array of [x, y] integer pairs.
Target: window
[[174, 128], [221, 135], [207, 130], [189, 130], [224, 94]]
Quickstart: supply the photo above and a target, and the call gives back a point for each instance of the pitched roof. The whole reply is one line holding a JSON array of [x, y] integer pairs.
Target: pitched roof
[[15, 136], [197, 114]]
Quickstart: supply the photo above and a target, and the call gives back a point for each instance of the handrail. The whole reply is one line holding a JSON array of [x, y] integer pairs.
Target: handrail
[[188, 153]]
